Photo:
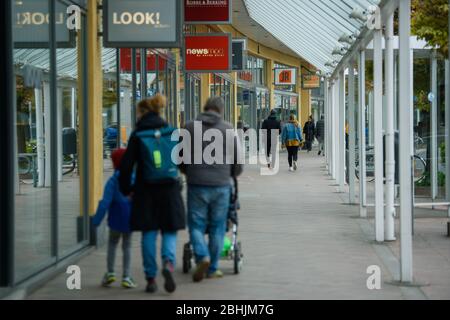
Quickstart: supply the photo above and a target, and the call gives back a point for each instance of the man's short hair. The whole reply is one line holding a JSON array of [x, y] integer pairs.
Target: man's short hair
[[215, 104]]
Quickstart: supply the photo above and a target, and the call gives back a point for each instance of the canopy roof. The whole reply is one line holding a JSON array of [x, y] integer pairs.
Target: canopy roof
[[311, 28]]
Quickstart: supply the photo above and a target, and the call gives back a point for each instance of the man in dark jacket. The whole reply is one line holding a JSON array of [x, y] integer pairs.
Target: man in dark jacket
[[308, 131], [320, 134], [271, 123], [209, 188]]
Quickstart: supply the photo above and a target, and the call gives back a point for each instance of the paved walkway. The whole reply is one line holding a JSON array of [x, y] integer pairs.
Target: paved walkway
[[300, 242]]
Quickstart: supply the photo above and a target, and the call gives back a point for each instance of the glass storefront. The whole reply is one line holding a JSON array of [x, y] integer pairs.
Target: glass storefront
[[221, 86], [49, 68], [192, 94]]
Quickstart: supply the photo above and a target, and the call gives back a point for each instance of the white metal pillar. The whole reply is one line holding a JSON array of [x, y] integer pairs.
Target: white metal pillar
[[325, 105], [341, 133], [362, 134], [351, 132], [47, 136], [378, 134], [434, 124], [405, 111], [447, 131], [335, 140], [389, 213], [40, 139]]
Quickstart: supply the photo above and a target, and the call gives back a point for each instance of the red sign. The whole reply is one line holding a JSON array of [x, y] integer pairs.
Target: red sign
[[207, 53], [207, 11], [246, 76], [125, 61], [285, 76]]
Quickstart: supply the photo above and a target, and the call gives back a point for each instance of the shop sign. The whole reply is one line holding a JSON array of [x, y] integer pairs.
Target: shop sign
[[126, 59], [207, 52], [245, 76], [142, 23], [207, 11], [285, 76], [239, 54], [31, 25], [310, 81]]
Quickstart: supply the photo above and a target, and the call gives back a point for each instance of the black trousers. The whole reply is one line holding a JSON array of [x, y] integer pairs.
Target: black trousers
[[292, 154]]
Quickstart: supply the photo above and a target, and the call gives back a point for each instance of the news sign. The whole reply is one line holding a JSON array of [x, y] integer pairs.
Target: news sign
[[142, 23], [285, 77], [207, 11], [209, 53], [310, 81]]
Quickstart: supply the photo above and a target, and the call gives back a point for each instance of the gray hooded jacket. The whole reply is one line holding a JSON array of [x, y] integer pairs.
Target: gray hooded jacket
[[214, 175]]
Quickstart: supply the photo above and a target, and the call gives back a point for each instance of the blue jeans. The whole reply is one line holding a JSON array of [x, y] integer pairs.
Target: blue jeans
[[208, 208], [168, 251]]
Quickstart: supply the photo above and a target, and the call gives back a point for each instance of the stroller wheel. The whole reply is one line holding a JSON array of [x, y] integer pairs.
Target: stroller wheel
[[238, 258], [187, 256]]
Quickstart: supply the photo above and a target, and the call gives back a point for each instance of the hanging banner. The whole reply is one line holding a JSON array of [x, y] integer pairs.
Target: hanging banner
[[310, 81], [142, 23], [285, 76], [207, 11], [126, 59], [208, 52], [31, 25], [238, 49]]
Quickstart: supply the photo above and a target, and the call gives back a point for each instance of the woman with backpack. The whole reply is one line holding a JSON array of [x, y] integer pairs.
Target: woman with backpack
[[291, 138], [156, 194]]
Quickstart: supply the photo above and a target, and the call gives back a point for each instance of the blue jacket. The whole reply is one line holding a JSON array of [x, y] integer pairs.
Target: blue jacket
[[291, 135], [117, 205]]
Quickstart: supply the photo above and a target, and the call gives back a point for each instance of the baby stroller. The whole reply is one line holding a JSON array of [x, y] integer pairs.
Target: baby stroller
[[232, 250]]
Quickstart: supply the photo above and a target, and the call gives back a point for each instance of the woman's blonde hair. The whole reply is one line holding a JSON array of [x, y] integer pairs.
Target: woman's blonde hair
[[154, 104], [292, 117]]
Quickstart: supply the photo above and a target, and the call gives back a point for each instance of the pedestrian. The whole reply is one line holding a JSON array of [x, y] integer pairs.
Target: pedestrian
[[271, 123], [320, 134], [209, 190], [157, 203], [309, 130], [118, 207], [291, 138]]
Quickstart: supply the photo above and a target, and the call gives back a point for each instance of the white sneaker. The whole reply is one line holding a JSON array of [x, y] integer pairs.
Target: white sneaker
[[295, 165], [291, 169]]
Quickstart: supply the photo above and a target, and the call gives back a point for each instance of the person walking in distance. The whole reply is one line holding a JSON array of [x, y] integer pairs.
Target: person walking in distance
[[157, 203], [308, 131], [320, 134], [209, 188], [292, 138], [271, 123]]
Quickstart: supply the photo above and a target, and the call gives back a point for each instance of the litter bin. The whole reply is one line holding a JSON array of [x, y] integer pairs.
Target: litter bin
[[69, 141]]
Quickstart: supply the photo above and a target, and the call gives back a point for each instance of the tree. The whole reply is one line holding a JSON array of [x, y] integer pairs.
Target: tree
[[430, 23]]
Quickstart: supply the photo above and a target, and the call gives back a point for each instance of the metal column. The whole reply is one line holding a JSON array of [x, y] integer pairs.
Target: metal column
[[335, 141], [326, 115], [362, 134], [389, 213], [405, 110], [378, 134], [352, 138], [341, 132], [434, 124], [447, 131]]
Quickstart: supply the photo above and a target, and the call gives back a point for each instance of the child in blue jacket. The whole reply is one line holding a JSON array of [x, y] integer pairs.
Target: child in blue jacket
[[119, 210]]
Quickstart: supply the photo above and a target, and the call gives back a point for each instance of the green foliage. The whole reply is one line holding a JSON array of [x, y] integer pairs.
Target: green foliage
[[442, 151], [430, 22]]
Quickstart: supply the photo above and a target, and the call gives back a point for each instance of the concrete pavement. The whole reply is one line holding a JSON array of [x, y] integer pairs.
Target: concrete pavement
[[299, 242]]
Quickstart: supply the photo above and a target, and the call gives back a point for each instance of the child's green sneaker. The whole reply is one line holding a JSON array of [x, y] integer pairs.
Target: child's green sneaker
[[214, 275], [108, 279], [128, 283]]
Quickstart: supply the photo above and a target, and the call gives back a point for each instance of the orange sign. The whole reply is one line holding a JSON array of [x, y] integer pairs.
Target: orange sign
[[285, 76], [311, 81]]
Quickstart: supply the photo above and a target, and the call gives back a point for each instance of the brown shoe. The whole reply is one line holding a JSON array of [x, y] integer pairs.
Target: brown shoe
[[200, 271]]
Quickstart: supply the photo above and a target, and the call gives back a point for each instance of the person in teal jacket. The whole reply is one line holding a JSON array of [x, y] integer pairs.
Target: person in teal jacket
[[291, 138]]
